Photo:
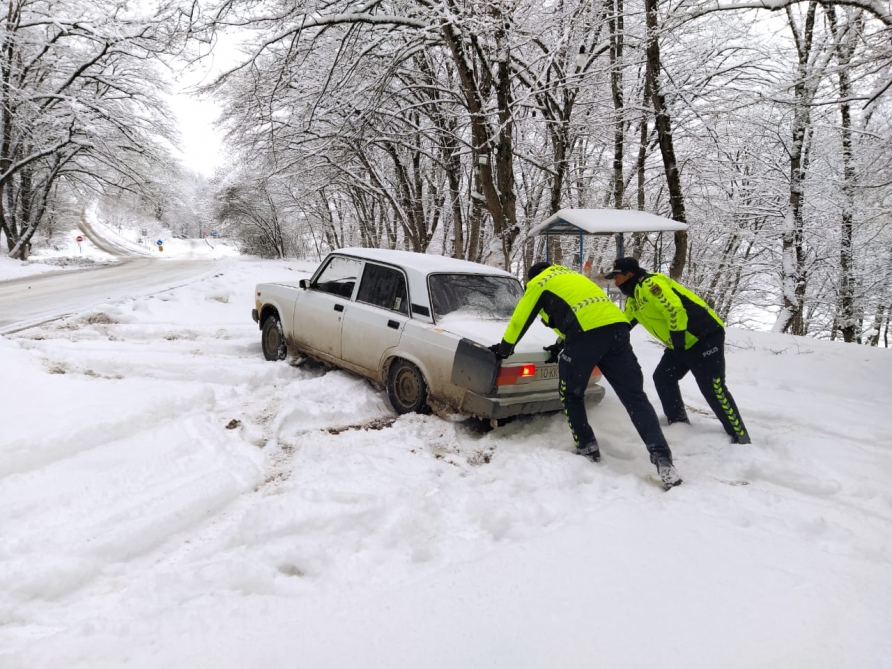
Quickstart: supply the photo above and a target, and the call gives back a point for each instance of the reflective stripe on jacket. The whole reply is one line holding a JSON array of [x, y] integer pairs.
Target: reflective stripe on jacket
[[662, 306], [568, 302]]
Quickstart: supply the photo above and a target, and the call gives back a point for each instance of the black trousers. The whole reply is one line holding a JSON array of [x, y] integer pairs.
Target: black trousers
[[706, 361], [608, 347]]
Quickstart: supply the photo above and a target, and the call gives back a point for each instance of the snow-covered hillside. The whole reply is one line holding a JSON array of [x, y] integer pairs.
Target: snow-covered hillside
[[169, 499]]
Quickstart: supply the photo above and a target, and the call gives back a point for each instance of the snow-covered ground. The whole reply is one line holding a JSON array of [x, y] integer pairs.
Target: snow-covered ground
[[169, 499]]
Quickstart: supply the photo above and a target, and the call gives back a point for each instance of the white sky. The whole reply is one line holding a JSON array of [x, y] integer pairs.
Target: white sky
[[202, 142]]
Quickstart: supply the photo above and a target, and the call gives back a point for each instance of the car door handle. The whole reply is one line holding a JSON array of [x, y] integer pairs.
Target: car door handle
[[339, 307], [393, 324]]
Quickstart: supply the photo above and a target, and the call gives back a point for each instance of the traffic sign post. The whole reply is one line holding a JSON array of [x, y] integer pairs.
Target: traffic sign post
[[160, 245], [79, 239]]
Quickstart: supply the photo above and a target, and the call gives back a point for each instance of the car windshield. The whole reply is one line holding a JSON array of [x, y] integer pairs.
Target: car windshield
[[491, 297]]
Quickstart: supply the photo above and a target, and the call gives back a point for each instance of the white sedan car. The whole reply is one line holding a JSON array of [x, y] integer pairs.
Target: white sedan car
[[419, 326]]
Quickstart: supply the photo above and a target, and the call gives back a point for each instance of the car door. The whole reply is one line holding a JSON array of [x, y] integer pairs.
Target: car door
[[376, 319], [319, 310]]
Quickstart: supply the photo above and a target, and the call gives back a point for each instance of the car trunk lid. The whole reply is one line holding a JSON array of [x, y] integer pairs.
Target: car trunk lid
[[476, 368]]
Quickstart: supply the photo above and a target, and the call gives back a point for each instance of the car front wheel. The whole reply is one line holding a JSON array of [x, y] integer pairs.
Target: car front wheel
[[272, 339], [406, 388]]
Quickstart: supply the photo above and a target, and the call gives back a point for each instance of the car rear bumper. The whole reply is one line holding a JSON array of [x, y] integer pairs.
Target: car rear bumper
[[475, 370], [506, 407]]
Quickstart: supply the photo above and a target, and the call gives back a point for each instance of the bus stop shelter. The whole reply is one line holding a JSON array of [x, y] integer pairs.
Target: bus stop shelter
[[585, 222]]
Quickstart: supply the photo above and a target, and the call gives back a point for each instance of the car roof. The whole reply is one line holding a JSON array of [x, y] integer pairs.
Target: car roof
[[423, 263]]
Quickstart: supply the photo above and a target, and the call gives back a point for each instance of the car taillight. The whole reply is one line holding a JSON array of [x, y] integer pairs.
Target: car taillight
[[511, 375]]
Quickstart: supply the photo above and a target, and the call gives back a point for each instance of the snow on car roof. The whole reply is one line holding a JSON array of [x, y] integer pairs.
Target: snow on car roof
[[606, 221], [425, 263]]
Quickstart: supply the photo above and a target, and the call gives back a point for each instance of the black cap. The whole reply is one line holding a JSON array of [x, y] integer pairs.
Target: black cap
[[621, 265], [537, 269]]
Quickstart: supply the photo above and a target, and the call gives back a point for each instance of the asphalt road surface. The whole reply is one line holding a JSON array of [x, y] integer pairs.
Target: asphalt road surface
[[42, 298]]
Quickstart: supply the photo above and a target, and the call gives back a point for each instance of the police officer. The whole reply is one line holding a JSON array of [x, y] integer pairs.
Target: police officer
[[694, 337], [595, 332]]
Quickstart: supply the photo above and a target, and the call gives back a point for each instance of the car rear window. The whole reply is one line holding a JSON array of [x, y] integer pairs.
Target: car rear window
[[474, 294], [384, 287]]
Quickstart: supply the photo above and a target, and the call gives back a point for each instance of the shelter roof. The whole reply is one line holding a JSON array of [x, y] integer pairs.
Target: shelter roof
[[605, 222]]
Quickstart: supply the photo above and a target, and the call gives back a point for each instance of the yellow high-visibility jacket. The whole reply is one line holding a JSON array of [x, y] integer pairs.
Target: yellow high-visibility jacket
[[567, 301], [664, 307]]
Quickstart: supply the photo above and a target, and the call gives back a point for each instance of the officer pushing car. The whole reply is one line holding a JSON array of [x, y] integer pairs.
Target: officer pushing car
[[595, 332], [694, 337]]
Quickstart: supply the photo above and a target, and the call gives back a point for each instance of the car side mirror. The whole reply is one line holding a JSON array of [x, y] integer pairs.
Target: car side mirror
[[303, 283]]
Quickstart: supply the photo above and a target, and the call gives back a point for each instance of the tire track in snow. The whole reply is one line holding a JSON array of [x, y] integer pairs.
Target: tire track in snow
[[31, 454], [123, 506]]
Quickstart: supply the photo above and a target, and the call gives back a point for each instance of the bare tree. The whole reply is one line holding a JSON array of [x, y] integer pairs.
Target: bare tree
[[77, 103]]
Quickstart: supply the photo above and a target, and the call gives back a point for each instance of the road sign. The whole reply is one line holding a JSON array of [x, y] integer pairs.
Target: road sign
[[145, 233], [214, 233], [79, 239], [160, 248], [159, 243]]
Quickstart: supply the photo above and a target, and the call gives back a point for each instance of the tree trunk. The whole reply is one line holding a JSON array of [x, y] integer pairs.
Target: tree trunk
[[642, 155], [664, 133], [845, 311], [886, 329], [453, 173], [793, 277], [505, 151], [475, 215], [616, 88], [494, 167], [559, 152]]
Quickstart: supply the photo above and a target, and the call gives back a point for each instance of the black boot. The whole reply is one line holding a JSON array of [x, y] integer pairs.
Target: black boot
[[590, 451], [667, 473]]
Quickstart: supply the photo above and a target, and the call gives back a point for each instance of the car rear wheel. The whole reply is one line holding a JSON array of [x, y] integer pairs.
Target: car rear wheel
[[272, 339], [406, 388]]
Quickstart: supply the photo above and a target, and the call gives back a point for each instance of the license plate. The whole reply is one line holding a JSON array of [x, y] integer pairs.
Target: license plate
[[546, 373]]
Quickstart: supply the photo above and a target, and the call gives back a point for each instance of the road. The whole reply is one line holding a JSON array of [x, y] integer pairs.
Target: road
[[38, 299], [106, 243]]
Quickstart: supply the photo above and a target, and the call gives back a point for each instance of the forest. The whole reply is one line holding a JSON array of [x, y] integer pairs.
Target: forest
[[454, 127]]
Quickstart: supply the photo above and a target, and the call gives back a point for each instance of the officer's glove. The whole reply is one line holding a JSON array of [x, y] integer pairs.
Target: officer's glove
[[502, 350], [678, 340], [555, 351]]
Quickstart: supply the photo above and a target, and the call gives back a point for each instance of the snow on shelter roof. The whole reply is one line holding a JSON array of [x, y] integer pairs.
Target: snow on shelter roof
[[424, 263], [605, 222]]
